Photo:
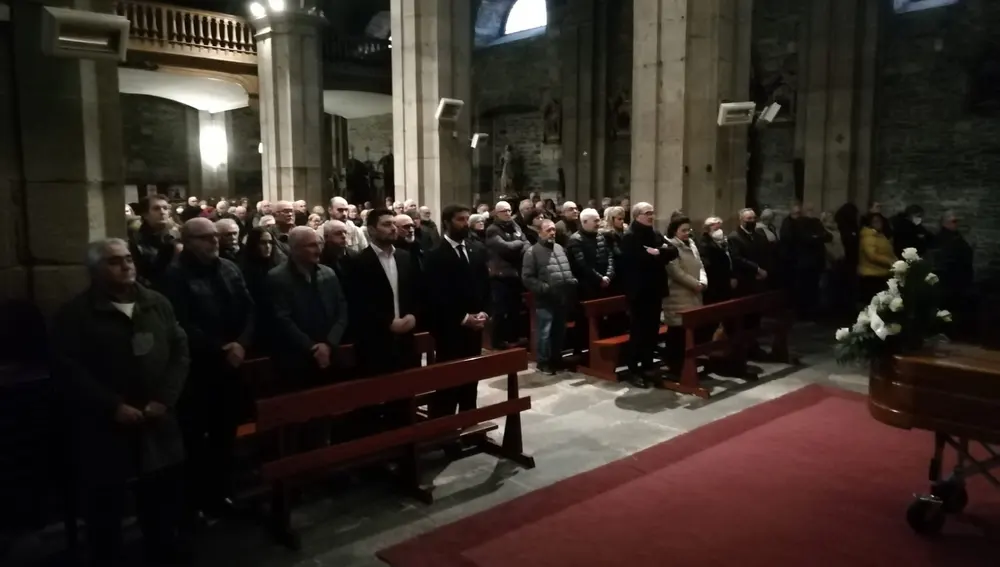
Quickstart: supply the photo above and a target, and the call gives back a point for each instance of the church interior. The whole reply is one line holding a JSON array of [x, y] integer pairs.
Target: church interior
[[485, 283]]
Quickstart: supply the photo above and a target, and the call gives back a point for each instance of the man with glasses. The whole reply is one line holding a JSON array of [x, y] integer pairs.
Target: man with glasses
[[644, 256], [284, 222], [214, 308]]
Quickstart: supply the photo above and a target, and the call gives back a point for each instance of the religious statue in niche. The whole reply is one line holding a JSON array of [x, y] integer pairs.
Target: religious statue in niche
[[620, 115], [507, 169], [552, 118]]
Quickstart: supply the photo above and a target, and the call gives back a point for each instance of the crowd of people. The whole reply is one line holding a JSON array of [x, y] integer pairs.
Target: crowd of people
[[151, 353]]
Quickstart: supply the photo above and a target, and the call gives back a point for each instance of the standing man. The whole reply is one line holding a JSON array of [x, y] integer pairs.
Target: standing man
[[548, 275], [214, 308], [506, 244], [385, 324], [310, 312], [458, 293], [645, 255], [155, 244], [357, 240], [121, 359]]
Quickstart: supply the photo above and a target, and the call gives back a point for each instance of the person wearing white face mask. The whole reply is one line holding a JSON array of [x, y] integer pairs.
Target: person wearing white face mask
[[714, 250], [909, 232]]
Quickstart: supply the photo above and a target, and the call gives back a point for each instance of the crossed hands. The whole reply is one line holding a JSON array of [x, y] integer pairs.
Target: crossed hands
[[476, 320], [403, 324]]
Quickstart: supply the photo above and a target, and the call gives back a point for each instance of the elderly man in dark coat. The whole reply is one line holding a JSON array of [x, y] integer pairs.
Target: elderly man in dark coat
[[121, 359], [310, 312]]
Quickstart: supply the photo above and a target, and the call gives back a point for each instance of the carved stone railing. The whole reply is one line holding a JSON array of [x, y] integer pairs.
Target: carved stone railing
[[357, 49], [162, 28], [177, 31]]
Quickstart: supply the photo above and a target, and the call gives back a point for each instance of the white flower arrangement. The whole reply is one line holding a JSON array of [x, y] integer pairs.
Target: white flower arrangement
[[901, 318]]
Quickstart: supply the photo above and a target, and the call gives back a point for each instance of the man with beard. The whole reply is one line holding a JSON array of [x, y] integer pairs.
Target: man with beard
[[387, 293], [407, 239], [458, 293]]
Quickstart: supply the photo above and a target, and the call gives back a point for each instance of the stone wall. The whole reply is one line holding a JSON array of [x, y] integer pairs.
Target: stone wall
[[931, 148], [155, 139], [244, 157], [776, 26], [619, 149], [509, 81], [370, 138]]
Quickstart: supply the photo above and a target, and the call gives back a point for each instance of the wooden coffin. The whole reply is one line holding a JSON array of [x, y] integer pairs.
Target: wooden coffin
[[957, 392]]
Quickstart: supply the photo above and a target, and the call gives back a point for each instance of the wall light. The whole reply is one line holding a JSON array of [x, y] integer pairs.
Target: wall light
[[276, 5], [214, 146], [257, 10], [260, 147]]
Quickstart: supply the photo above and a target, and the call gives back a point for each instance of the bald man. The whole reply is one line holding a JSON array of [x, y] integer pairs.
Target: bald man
[[336, 253], [357, 238], [284, 222], [568, 224], [213, 306], [309, 310]]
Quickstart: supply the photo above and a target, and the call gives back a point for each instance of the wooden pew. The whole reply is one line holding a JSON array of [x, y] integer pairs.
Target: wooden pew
[[734, 311], [282, 414], [258, 373], [529, 301], [605, 352]]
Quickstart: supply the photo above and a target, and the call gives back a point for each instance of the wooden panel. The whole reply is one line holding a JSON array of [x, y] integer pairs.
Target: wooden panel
[[715, 313], [424, 431], [303, 406]]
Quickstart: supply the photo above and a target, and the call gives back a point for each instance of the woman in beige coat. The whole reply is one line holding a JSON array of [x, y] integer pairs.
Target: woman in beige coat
[[687, 280]]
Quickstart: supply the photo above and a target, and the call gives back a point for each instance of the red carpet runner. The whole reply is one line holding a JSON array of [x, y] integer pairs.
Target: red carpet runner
[[807, 480]]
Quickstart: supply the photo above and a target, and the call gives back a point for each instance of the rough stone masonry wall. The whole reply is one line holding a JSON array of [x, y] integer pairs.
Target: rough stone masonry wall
[[508, 82], [155, 140], [775, 42], [370, 138], [930, 148]]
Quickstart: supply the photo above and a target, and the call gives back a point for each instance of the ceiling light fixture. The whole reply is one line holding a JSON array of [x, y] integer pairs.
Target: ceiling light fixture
[[257, 10]]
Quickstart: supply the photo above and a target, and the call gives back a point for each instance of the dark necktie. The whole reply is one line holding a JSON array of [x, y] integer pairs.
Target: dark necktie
[[461, 252]]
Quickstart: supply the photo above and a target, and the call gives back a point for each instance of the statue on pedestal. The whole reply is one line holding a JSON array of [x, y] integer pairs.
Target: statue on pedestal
[[620, 115], [507, 169], [552, 117]]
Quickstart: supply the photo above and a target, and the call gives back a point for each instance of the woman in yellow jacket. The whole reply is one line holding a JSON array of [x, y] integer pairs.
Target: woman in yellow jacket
[[875, 258]]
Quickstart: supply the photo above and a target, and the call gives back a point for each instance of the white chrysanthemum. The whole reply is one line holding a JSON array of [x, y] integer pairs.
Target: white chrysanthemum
[[842, 334], [894, 286], [894, 329], [944, 315], [899, 268], [910, 254], [863, 318], [884, 299], [932, 279], [896, 305], [860, 327]]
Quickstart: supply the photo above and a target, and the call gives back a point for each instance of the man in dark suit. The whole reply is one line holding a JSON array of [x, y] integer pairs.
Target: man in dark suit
[[310, 312], [645, 255], [387, 295], [458, 295], [751, 254]]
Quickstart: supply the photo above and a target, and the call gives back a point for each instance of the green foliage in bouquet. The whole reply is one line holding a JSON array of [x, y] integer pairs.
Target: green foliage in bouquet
[[903, 318]]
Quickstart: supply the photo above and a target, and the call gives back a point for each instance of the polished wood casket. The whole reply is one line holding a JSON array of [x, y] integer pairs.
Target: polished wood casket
[[955, 391]]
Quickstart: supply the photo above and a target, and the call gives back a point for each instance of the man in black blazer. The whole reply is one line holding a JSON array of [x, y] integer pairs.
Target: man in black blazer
[[458, 294], [387, 298], [645, 255]]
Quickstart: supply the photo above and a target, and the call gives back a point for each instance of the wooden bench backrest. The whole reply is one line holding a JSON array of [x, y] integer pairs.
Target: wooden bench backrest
[[300, 407], [607, 306], [731, 309]]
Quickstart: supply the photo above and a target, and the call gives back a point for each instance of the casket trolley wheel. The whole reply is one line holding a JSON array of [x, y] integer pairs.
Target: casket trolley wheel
[[953, 496], [926, 515]]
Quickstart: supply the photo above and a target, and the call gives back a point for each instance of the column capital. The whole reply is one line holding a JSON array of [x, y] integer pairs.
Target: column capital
[[288, 20]]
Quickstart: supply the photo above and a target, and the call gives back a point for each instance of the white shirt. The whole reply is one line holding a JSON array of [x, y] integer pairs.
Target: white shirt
[[464, 253], [388, 261], [126, 308]]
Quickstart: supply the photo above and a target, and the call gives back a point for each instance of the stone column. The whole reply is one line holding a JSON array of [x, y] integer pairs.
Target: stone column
[[431, 56], [290, 70], [688, 57], [839, 99], [61, 153]]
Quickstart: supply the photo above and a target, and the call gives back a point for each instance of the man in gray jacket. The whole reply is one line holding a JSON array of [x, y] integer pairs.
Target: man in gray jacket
[[547, 274]]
